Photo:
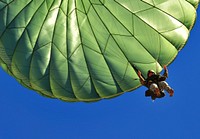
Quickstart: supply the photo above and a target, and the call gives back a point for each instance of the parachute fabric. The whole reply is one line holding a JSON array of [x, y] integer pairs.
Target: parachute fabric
[[86, 50]]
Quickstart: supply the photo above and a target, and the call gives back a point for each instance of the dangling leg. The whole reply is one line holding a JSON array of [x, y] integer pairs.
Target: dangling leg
[[164, 86], [154, 88]]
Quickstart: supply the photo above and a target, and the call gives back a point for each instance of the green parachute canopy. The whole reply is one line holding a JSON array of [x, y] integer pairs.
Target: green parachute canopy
[[86, 50]]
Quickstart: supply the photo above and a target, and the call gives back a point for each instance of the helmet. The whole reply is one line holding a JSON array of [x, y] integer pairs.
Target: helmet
[[151, 71]]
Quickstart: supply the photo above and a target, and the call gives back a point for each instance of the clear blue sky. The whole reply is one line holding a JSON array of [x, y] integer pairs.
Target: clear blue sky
[[26, 115]]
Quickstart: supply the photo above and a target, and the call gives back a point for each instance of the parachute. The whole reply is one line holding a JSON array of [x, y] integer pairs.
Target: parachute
[[87, 50]]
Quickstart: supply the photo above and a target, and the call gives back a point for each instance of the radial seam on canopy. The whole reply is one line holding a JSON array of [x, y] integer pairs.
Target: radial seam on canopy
[[146, 24], [168, 13], [67, 45], [102, 53], [52, 43], [106, 46], [37, 41], [82, 45], [120, 35], [7, 27]]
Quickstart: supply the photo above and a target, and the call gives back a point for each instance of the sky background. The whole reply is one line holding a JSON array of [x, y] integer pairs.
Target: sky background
[[26, 115]]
